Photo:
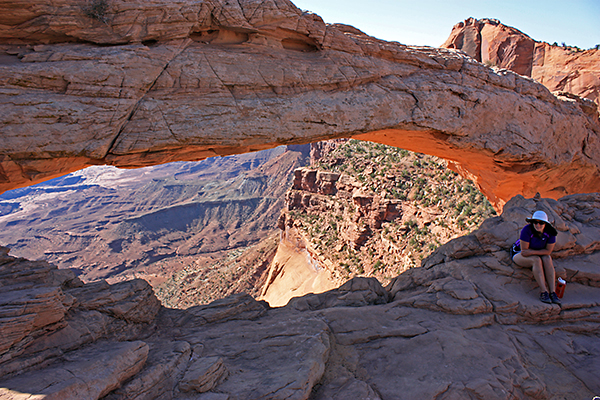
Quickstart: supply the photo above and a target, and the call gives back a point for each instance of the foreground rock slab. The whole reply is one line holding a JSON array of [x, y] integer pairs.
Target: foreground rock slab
[[87, 374], [279, 355], [466, 325]]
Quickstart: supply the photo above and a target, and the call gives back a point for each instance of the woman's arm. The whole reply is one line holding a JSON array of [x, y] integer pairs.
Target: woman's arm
[[526, 251]]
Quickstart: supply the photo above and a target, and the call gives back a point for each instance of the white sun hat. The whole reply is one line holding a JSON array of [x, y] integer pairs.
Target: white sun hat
[[540, 215]]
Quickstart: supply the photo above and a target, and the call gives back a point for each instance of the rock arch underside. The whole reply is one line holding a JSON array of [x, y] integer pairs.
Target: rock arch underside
[[139, 83]]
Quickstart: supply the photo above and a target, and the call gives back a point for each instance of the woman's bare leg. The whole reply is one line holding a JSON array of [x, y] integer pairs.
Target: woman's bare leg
[[535, 263], [549, 272]]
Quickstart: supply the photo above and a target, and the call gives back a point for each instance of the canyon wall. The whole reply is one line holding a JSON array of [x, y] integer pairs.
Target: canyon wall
[[366, 209], [140, 83], [559, 68]]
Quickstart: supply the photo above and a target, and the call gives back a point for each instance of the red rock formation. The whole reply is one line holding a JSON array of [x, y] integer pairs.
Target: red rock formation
[[371, 210], [568, 70], [314, 181], [486, 334], [468, 323], [559, 68], [385, 211], [188, 80]]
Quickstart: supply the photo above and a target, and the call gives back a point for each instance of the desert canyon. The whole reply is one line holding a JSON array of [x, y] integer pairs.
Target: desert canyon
[[131, 84]]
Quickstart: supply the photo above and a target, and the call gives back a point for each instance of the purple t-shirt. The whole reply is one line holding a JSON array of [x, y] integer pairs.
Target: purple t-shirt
[[536, 242]]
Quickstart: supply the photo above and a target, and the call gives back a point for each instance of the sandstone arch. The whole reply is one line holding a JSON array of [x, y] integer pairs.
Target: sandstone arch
[[141, 83]]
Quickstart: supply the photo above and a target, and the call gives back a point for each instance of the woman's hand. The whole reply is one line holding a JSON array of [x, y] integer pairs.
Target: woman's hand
[[527, 252]]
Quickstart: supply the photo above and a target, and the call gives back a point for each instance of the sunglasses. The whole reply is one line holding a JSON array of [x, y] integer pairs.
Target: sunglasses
[[539, 223]]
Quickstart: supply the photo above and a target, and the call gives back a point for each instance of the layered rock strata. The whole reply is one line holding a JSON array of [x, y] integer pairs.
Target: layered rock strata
[[364, 209], [559, 68], [142, 83], [183, 227], [468, 324], [311, 189], [350, 216]]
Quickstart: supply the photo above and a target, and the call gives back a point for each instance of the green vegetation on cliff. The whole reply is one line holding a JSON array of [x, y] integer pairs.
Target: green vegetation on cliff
[[355, 229]]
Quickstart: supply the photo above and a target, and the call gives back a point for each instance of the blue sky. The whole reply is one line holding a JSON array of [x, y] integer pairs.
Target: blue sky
[[429, 22]]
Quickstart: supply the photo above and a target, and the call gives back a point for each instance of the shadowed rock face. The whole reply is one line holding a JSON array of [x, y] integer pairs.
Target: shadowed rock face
[[141, 83], [468, 324]]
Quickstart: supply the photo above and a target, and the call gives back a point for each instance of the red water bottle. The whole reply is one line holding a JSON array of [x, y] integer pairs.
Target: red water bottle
[[560, 288]]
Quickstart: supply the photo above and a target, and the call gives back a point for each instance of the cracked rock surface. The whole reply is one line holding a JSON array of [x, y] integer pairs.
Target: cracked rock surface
[[466, 325]]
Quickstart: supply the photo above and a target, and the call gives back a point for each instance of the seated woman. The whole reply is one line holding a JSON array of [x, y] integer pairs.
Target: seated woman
[[537, 241]]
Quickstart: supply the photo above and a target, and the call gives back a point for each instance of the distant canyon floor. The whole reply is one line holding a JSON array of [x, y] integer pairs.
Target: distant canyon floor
[[198, 232]]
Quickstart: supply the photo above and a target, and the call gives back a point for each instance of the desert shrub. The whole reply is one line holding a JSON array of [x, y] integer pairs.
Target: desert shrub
[[411, 224], [96, 9], [377, 265]]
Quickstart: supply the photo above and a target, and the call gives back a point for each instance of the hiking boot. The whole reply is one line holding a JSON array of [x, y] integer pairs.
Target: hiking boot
[[545, 298], [554, 298]]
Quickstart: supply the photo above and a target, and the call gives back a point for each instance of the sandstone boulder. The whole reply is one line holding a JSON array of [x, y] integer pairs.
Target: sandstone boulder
[[204, 374], [46, 313], [132, 301], [237, 306], [166, 363], [356, 292], [19, 273], [281, 355], [25, 311]]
